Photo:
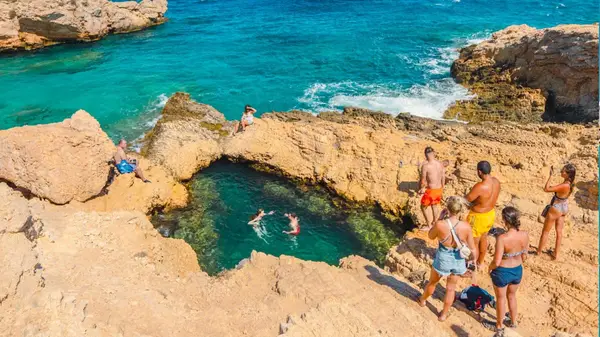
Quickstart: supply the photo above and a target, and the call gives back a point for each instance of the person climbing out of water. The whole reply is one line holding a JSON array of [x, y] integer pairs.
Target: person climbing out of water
[[558, 208], [448, 261], [483, 197], [125, 164], [246, 120], [255, 219], [431, 187], [294, 224], [506, 269]]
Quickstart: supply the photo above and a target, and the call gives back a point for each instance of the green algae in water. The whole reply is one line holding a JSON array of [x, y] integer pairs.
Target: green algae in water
[[224, 197]]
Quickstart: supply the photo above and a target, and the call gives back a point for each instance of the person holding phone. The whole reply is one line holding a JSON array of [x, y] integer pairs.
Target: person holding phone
[[558, 208]]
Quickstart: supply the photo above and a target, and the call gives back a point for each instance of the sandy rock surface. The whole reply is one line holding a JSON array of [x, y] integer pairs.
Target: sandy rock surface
[[112, 274], [32, 24], [558, 67], [61, 162]]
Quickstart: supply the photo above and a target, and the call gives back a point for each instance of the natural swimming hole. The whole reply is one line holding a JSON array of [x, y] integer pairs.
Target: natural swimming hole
[[224, 196]]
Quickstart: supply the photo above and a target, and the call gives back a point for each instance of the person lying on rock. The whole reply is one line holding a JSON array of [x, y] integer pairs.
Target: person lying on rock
[[246, 120], [125, 164], [483, 197], [448, 260], [432, 185], [294, 224]]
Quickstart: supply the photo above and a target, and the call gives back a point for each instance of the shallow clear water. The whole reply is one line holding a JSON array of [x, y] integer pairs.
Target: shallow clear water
[[225, 196], [392, 55]]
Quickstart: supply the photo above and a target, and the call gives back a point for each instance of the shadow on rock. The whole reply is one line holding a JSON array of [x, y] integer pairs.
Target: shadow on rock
[[400, 287]]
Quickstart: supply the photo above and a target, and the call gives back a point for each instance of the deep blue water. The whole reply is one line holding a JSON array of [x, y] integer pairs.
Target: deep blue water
[[273, 54]]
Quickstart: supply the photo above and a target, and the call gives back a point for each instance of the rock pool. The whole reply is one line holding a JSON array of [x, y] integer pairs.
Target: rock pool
[[224, 196]]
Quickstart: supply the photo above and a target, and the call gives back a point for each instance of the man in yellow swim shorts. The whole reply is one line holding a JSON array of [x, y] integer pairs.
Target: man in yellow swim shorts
[[483, 197]]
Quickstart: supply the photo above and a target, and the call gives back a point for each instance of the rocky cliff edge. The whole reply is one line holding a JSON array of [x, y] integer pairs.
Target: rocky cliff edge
[[33, 24]]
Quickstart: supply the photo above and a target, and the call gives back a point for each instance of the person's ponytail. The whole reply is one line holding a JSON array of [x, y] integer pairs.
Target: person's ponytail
[[512, 217]]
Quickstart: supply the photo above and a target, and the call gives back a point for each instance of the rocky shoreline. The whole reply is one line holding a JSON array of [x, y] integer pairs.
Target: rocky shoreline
[[527, 75], [51, 230], [81, 258], [29, 25]]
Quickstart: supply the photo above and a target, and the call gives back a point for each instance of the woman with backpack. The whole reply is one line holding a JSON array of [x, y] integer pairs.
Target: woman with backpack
[[455, 246], [506, 269]]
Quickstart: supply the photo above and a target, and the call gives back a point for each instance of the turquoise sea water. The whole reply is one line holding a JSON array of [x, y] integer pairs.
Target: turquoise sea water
[[273, 54], [225, 196]]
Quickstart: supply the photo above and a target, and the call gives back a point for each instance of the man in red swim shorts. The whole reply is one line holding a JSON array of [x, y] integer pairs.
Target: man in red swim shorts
[[431, 186]]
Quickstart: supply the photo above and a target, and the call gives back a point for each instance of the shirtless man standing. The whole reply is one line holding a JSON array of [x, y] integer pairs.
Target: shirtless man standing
[[483, 197], [431, 186], [125, 164]]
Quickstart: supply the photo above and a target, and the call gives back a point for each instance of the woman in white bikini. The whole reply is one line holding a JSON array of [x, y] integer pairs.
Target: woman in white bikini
[[558, 208], [246, 120]]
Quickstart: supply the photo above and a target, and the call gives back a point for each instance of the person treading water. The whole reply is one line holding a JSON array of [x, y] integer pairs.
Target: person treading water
[[294, 224], [255, 219]]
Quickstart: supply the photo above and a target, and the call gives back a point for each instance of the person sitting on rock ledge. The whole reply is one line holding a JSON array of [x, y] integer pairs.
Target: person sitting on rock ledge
[[125, 164], [247, 119]]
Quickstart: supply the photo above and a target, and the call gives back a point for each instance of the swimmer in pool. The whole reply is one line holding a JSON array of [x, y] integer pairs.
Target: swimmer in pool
[[294, 224], [255, 219]]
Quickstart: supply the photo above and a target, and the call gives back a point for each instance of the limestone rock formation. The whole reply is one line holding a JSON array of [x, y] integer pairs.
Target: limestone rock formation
[[61, 162], [524, 74], [110, 274], [32, 24], [375, 158], [75, 269], [129, 193], [186, 138]]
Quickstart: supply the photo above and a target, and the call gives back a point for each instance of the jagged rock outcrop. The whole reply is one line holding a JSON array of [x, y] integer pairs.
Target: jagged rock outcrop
[[186, 138], [60, 162], [32, 24], [524, 74]]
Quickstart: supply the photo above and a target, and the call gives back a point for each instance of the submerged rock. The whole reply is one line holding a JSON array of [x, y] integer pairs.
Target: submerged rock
[[524, 74], [32, 24]]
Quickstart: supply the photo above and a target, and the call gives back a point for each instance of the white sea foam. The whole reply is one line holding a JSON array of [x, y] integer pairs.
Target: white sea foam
[[149, 118], [474, 38], [439, 60], [430, 100]]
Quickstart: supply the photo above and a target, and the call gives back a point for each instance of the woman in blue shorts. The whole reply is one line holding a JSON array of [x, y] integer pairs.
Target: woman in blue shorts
[[507, 268], [448, 261]]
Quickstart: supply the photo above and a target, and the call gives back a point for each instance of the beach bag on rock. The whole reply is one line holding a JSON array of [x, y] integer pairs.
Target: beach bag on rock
[[476, 298], [465, 252]]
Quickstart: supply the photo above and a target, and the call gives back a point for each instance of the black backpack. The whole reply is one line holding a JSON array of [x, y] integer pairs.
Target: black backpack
[[476, 298]]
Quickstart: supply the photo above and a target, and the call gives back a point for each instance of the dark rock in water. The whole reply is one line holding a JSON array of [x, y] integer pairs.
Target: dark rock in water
[[165, 231]]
